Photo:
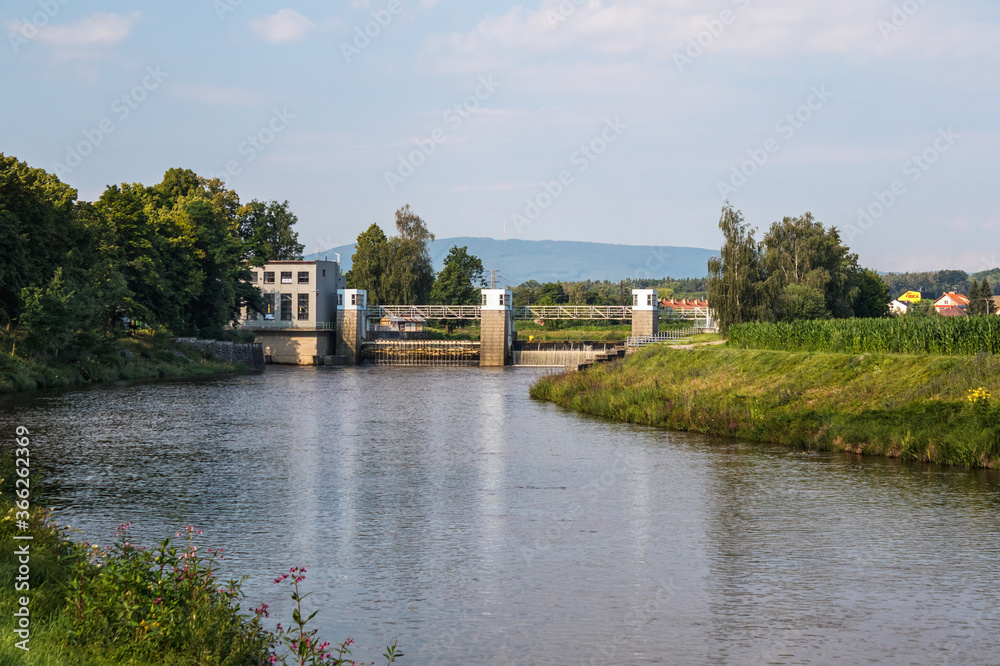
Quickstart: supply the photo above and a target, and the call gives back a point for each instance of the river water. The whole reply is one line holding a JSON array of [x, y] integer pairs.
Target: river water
[[446, 509]]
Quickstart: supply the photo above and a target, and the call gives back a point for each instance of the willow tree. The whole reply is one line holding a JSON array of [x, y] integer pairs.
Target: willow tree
[[736, 285], [410, 275]]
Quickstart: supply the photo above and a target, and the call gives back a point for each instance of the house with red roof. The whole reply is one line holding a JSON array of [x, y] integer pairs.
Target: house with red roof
[[950, 302]]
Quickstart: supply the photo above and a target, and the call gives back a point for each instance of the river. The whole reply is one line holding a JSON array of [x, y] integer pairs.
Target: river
[[446, 509]]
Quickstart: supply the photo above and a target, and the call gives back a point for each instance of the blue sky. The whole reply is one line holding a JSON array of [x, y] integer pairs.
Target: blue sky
[[624, 121]]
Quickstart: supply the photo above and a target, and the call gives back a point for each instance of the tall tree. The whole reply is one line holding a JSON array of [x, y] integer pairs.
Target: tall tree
[[736, 288], [981, 298], [460, 280], [799, 250], [410, 275], [39, 231], [873, 295], [267, 233], [368, 264]]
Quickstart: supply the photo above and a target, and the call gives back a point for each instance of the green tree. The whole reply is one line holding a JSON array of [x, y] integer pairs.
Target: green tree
[[799, 250], [39, 231], [460, 281], [368, 264], [58, 319], [799, 301], [981, 298], [873, 295], [552, 293], [267, 233], [410, 273], [736, 288], [127, 242]]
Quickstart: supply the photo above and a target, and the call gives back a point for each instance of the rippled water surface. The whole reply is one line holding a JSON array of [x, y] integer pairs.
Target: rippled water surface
[[446, 509]]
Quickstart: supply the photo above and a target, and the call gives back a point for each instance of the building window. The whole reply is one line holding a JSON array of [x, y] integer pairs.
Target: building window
[[268, 277], [354, 299], [635, 299], [484, 299], [649, 299], [253, 277], [303, 307], [286, 277], [324, 272], [340, 300], [501, 299], [286, 307], [268, 306], [303, 277]]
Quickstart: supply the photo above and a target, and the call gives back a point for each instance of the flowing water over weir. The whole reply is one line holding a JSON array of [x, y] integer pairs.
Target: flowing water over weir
[[561, 354]]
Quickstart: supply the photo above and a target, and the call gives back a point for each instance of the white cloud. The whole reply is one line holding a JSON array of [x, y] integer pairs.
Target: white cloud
[[654, 30], [94, 30], [285, 26]]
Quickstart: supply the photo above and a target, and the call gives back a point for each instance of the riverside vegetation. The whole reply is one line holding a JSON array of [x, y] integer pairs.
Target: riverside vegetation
[[134, 606], [153, 356], [926, 407]]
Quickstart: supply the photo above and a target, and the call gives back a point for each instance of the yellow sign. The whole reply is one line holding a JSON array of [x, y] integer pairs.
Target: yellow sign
[[910, 297]]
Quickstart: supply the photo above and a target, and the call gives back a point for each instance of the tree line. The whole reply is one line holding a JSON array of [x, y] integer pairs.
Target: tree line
[[605, 292], [931, 284], [174, 256], [799, 270]]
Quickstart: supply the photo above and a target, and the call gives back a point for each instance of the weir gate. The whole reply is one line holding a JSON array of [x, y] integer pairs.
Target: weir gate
[[353, 340]]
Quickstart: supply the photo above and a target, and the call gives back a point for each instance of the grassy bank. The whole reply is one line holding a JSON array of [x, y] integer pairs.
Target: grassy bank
[[148, 357], [908, 406]]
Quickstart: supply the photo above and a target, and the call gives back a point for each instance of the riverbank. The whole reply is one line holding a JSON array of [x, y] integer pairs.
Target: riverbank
[[923, 407], [149, 357]]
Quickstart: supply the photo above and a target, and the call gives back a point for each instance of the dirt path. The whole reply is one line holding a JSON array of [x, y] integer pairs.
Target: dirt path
[[698, 344]]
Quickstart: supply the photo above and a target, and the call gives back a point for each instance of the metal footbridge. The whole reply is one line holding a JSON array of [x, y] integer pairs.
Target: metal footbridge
[[532, 312]]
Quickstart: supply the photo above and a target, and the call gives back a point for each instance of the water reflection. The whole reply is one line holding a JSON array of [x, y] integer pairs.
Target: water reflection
[[444, 508]]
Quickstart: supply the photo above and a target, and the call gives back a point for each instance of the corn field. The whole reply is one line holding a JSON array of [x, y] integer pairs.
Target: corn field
[[948, 336]]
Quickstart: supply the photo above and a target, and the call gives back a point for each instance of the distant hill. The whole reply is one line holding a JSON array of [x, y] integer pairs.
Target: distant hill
[[564, 261]]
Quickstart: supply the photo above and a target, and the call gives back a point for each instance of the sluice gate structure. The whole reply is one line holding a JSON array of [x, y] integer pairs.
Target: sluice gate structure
[[441, 353]]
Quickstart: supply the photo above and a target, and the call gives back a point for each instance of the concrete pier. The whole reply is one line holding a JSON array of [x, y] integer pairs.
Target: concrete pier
[[352, 323], [497, 328], [645, 312]]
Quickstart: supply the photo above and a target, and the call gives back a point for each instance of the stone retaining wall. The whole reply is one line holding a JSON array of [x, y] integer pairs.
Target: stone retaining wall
[[250, 354]]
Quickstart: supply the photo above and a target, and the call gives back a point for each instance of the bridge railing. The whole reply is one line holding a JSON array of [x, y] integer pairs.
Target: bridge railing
[[680, 335], [280, 325], [592, 312], [426, 311], [529, 312]]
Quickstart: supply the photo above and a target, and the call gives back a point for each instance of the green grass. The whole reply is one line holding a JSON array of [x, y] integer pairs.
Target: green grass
[[146, 357], [908, 406]]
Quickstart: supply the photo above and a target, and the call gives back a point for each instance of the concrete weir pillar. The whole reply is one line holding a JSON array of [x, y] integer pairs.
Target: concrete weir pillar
[[645, 312], [352, 323], [496, 340]]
